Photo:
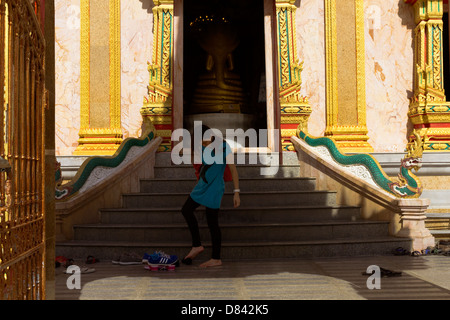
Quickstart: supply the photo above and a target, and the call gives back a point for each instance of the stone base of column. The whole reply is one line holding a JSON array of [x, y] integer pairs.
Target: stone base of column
[[292, 114], [431, 122], [350, 139], [413, 223], [98, 141], [164, 127]]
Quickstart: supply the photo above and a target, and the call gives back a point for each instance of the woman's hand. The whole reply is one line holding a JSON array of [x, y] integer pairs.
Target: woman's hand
[[235, 176], [236, 200]]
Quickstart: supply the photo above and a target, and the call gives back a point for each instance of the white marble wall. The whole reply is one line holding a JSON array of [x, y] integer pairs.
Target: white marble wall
[[389, 72], [136, 50], [67, 75], [310, 23], [389, 62]]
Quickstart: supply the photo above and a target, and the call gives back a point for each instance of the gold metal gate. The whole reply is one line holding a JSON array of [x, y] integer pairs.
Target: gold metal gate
[[22, 95]]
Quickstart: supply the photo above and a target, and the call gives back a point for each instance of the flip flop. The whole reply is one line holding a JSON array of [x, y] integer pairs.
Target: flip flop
[[87, 270], [401, 252], [384, 273], [91, 260], [83, 270], [436, 251], [68, 262], [390, 273]]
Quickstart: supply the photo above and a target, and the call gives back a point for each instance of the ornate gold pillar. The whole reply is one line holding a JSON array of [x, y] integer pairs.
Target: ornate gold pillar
[[429, 111], [100, 111], [294, 107], [345, 75], [158, 103]]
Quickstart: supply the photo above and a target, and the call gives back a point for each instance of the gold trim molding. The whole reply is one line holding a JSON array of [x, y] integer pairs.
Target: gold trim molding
[[84, 63], [100, 141], [114, 65], [429, 110], [357, 132], [295, 108], [158, 104]]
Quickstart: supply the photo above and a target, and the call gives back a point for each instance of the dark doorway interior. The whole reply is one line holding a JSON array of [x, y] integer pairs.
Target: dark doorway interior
[[249, 57], [446, 54]]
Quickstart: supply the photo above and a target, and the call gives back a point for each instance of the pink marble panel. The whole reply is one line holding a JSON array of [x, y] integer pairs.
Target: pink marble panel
[[67, 75], [136, 50], [389, 72], [310, 23]]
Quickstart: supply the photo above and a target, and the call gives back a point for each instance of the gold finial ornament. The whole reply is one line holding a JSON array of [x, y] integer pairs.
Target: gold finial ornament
[[415, 147]]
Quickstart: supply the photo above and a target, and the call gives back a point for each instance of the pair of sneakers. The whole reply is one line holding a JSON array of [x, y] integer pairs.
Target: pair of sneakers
[[160, 259]]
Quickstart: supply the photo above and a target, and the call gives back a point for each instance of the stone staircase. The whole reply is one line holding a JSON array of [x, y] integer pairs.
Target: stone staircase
[[281, 216], [439, 224]]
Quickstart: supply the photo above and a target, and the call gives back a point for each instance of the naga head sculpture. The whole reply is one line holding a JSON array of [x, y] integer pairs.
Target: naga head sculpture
[[413, 159]]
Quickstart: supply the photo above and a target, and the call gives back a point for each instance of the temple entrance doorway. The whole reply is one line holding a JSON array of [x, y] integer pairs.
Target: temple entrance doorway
[[224, 66]]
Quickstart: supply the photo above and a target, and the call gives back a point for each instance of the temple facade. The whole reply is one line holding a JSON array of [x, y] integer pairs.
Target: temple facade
[[367, 73], [350, 95]]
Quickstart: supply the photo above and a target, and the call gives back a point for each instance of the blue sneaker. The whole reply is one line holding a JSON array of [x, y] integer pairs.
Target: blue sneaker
[[147, 256], [160, 259]]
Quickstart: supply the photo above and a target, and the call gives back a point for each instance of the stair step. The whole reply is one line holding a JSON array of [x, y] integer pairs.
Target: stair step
[[288, 158], [232, 232], [441, 234], [261, 198], [164, 185], [227, 214], [438, 221], [244, 171], [438, 215], [241, 250], [281, 216]]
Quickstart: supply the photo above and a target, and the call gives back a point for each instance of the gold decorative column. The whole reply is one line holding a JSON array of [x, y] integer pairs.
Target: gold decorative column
[[294, 107], [345, 75], [100, 111], [158, 103], [429, 111]]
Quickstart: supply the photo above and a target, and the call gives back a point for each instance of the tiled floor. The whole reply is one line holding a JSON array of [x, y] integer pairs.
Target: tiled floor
[[426, 277]]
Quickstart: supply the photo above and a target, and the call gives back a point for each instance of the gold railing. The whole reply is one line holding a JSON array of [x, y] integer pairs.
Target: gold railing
[[22, 104]]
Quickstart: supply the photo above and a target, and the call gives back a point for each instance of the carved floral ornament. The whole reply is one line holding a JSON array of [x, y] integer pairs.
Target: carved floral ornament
[[429, 110]]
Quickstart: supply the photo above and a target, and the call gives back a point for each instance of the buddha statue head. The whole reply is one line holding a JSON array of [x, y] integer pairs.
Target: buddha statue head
[[218, 88]]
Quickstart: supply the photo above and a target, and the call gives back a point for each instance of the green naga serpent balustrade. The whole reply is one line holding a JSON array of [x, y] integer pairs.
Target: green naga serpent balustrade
[[406, 185], [63, 192]]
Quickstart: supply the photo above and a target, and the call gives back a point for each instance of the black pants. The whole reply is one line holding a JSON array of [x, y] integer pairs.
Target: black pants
[[212, 218]]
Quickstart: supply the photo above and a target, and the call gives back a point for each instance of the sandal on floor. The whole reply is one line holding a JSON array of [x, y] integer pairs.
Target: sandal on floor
[[91, 260], [68, 263], [401, 252], [390, 273], [83, 270], [436, 251], [87, 270], [384, 273]]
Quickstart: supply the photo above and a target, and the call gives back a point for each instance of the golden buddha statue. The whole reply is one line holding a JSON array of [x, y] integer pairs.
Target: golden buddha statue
[[219, 89]]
